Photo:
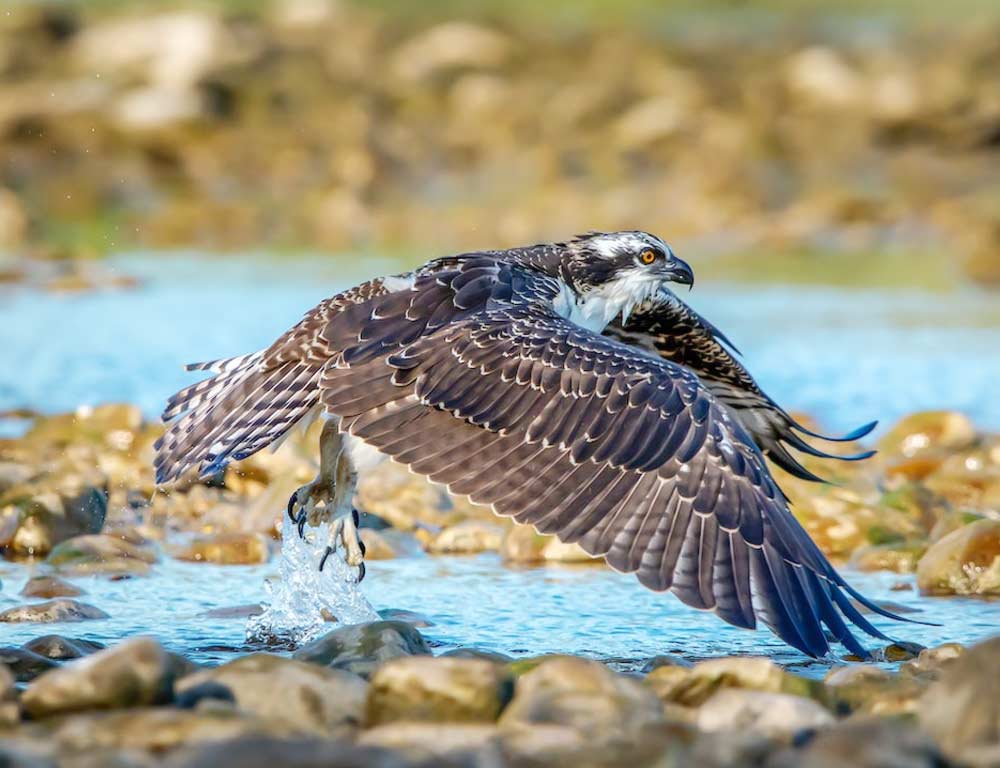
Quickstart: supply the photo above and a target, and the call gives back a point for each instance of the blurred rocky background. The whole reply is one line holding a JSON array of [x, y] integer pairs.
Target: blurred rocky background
[[804, 137]]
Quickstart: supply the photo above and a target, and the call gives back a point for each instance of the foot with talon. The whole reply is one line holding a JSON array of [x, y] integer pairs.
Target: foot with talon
[[345, 533], [312, 503]]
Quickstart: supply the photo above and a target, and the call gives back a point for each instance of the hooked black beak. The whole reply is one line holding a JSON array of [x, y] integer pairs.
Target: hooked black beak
[[679, 271]]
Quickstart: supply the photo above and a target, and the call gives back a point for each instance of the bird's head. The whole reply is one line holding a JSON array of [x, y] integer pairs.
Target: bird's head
[[611, 272]]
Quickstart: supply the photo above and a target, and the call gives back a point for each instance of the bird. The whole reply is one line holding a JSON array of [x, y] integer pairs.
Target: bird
[[565, 385]]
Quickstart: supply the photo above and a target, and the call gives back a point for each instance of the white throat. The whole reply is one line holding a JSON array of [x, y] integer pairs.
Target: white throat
[[596, 308]]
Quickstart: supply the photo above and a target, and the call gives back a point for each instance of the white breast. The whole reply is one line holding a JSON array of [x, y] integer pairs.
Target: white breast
[[362, 455]]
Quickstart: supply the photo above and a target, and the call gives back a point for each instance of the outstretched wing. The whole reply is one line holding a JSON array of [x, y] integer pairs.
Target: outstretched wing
[[669, 328], [470, 384]]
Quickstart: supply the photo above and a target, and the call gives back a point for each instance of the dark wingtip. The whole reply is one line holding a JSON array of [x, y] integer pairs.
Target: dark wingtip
[[857, 434]]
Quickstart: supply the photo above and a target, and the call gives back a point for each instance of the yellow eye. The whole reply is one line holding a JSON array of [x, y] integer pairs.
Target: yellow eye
[[647, 257]]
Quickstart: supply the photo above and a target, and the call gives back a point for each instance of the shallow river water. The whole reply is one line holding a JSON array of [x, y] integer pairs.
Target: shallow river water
[[844, 356]]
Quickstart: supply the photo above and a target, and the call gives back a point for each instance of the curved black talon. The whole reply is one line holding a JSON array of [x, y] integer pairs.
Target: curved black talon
[[356, 516], [361, 572], [361, 546], [291, 506], [322, 562], [302, 524]]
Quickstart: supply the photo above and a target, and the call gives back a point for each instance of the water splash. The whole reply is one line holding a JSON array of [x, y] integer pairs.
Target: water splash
[[302, 594]]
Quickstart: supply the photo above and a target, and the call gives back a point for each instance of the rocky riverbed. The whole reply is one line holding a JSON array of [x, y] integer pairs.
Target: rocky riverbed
[[336, 125], [80, 520]]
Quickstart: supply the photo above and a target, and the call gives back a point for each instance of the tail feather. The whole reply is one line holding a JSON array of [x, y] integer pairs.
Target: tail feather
[[243, 408]]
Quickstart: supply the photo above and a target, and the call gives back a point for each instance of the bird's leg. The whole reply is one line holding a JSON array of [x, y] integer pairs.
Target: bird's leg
[[329, 498]]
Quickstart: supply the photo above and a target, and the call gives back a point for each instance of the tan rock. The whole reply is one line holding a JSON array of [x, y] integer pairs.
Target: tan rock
[[50, 586], [61, 609], [965, 562], [569, 708], [226, 549], [775, 715], [451, 45], [303, 698], [867, 689], [927, 432], [444, 690], [101, 554], [134, 673], [961, 709], [693, 686], [467, 537], [362, 648], [438, 743]]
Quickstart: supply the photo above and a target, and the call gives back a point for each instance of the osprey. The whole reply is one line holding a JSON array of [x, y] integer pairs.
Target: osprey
[[566, 386]]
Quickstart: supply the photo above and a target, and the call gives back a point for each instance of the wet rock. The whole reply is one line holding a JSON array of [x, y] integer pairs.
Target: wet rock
[[476, 653], [361, 648], [467, 537], [62, 609], [24, 664], [930, 661], [442, 690], [303, 698], [693, 686], [410, 617], [50, 586], [776, 715], [101, 554], [209, 691], [965, 562], [878, 742], [48, 511], [62, 648], [226, 549], [898, 558], [867, 689], [135, 673], [569, 708], [429, 744], [961, 709], [926, 432], [665, 660]]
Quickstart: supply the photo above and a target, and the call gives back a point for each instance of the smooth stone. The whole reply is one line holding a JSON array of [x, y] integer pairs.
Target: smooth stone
[[48, 587], [378, 545], [62, 648], [467, 537], [693, 686], [134, 673], [226, 549], [247, 749], [158, 729], [964, 562], [451, 744], [928, 431], [930, 661], [568, 708], [523, 545], [361, 648], [62, 609], [665, 660], [438, 690], [871, 690], [410, 617], [24, 664], [302, 698], [961, 709], [101, 554], [774, 715], [864, 742]]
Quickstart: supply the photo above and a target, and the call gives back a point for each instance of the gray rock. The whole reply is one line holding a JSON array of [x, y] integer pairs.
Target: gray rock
[[48, 587], [961, 710], [102, 554], [865, 742], [401, 614], [361, 648], [62, 609], [303, 698], [440, 690], [134, 673], [62, 648], [774, 715], [476, 653], [25, 665]]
